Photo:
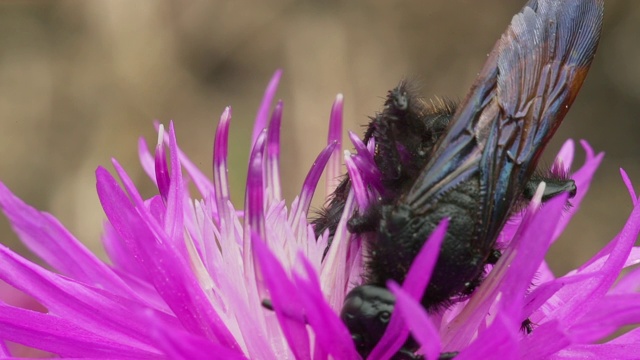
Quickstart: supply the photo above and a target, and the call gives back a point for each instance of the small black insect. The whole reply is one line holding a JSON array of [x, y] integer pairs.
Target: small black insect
[[473, 163]]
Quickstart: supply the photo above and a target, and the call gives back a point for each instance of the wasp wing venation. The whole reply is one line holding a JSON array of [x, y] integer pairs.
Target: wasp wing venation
[[544, 58], [456, 155], [515, 105]]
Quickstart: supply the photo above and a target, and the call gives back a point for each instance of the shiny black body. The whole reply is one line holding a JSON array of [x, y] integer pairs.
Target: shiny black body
[[406, 131], [473, 164]]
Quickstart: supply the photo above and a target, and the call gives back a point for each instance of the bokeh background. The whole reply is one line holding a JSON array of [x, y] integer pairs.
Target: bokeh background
[[80, 81]]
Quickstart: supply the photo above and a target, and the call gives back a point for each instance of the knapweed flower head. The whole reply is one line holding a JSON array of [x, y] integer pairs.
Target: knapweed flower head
[[199, 277]]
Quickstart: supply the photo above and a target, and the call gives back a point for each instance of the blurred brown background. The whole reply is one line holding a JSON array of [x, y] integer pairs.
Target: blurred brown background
[[81, 81]]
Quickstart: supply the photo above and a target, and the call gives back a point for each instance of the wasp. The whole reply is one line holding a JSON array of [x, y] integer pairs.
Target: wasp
[[473, 163]]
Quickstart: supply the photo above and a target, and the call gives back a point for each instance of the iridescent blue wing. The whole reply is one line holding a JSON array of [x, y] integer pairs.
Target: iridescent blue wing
[[518, 101]]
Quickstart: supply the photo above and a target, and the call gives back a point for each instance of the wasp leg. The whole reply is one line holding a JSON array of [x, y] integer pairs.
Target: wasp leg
[[471, 286], [494, 257], [405, 354], [447, 355], [554, 187], [267, 304]]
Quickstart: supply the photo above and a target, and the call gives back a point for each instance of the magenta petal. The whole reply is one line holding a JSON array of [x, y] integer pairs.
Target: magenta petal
[[578, 300], [170, 273], [629, 185], [254, 221], [421, 326], [111, 196], [366, 164], [370, 174], [631, 337], [566, 154], [173, 220], [610, 314], [332, 336], [538, 296], [535, 238], [546, 340], [63, 337], [602, 254], [179, 345], [363, 151], [254, 198], [600, 351], [360, 189], [46, 237], [4, 351], [119, 254], [341, 274], [272, 157], [497, 342], [263, 111], [310, 184], [285, 300], [582, 178], [360, 147], [630, 283], [86, 307], [626, 346], [161, 170], [335, 135], [220, 177]]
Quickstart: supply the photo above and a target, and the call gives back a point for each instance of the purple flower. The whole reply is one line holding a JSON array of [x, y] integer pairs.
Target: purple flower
[[187, 276], [200, 276]]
